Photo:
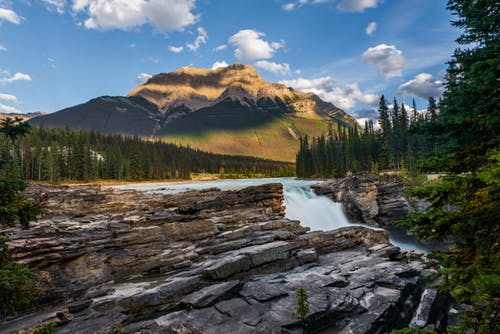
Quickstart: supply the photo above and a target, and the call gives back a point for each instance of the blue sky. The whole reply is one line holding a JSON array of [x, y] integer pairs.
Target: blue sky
[[58, 53]]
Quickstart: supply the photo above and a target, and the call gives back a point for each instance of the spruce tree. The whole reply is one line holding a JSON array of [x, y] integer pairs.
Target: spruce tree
[[465, 205], [385, 126]]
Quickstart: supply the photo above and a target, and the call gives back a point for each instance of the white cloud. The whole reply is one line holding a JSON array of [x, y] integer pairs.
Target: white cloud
[[16, 77], [132, 45], [325, 87], [57, 5], [2, 48], [142, 78], [9, 15], [220, 47], [175, 49], [424, 86], [200, 39], [288, 7], [356, 5], [273, 67], [370, 28], [8, 98], [219, 64], [164, 15], [8, 109], [388, 59], [250, 45]]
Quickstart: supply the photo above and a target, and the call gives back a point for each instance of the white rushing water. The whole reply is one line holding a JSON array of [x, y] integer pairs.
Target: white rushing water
[[301, 203]]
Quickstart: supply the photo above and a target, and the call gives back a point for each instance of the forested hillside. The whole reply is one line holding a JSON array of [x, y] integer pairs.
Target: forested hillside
[[399, 143], [65, 155]]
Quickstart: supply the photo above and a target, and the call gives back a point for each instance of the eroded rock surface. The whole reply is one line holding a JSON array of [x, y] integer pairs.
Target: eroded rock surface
[[209, 262], [370, 200]]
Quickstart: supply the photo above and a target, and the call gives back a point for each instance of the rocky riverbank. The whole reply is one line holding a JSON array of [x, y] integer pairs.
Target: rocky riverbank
[[369, 200], [211, 261]]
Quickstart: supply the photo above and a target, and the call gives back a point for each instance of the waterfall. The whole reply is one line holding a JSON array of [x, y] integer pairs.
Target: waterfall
[[301, 203], [313, 211]]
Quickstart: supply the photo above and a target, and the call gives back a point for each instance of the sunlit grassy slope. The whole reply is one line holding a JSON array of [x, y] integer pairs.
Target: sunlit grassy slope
[[270, 136]]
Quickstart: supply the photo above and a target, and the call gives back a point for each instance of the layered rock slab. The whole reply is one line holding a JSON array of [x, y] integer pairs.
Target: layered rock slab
[[208, 262]]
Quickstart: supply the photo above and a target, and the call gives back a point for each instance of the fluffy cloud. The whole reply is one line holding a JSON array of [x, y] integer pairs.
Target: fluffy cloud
[[326, 88], [370, 29], [175, 49], [388, 59], [2, 48], [200, 39], [57, 5], [142, 78], [8, 98], [219, 64], [8, 109], [9, 15], [273, 67], [16, 77], [288, 7], [250, 45], [356, 5], [164, 15], [424, 86]]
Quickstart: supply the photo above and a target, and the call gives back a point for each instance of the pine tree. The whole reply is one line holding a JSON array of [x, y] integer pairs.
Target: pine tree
[[385, 126], [465, 205]]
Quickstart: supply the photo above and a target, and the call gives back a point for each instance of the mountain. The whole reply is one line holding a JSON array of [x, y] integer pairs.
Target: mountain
[[112, 114], [229, 110], [24, 117]]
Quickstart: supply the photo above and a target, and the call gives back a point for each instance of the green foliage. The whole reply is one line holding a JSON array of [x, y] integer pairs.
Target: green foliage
[[14, 128], [14, 207], [302, 303], [465, 205], [16, 287], [412, 331], [397, 145], [49, 328]]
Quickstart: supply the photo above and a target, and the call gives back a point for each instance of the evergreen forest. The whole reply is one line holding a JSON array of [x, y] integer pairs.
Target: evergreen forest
[[64, 155], [399, 143]]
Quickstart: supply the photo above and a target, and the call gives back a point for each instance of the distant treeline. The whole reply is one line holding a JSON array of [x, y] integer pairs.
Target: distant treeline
[[397, 144], [66, 155]]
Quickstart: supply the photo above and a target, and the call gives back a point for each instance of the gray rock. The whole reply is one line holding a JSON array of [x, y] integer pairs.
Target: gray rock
[[211, 294]]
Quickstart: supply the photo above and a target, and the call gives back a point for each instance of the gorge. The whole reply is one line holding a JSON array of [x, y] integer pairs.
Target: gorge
[[215, 261]]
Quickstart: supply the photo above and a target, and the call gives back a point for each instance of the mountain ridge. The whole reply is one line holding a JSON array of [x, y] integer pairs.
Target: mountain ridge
[[230, 110]]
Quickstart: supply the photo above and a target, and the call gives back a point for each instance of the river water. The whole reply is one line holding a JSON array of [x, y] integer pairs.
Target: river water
[[301, 203]]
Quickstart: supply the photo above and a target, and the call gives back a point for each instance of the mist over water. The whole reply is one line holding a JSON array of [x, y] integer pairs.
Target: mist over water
[[300, 201]]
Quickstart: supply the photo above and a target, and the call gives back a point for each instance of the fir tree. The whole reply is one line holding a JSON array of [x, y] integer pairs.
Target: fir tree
[[465, 205]]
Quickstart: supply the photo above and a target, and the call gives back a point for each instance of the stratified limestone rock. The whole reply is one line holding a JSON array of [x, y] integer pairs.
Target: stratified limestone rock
[[209, 262], [369, 200]]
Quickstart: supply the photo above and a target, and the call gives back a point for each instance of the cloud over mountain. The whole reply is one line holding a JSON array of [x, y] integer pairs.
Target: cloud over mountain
[[250, 45], [325, 87], [273, 67]]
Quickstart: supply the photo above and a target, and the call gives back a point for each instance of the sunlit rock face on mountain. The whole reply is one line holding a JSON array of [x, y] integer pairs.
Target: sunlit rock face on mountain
[[230, 110], [192, 89]]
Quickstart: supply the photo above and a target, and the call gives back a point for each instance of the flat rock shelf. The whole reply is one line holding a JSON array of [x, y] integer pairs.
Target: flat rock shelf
[[211, 261]]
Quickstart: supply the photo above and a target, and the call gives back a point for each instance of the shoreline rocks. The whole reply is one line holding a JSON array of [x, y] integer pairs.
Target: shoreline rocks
[[209, 261], [369, 200]]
